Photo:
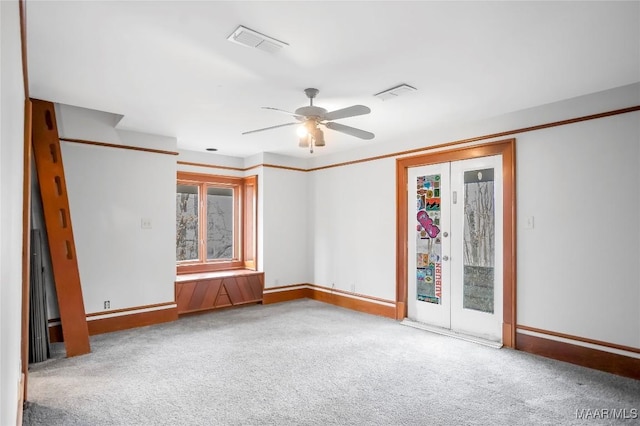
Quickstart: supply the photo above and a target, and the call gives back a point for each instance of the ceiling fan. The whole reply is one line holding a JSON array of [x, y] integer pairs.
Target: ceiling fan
[[311, 117]]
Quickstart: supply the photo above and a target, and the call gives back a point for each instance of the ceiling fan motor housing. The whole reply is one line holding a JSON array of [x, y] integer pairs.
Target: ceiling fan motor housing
[[311, 112]]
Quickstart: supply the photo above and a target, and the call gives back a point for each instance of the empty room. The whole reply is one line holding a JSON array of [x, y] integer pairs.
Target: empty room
[[319, 212]]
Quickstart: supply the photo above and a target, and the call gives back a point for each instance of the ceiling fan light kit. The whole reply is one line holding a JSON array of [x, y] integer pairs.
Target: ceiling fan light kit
[[311, 116], [310, 135], [318, 138]]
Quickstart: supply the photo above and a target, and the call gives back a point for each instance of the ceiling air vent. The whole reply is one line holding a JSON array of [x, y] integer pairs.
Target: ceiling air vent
[[250, 38], [394, 92]]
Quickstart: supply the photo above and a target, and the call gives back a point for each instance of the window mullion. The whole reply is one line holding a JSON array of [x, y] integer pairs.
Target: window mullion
[[203, 222], [238, 224]]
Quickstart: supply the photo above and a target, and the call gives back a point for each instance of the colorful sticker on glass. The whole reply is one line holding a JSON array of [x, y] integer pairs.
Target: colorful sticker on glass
[[428, 243]]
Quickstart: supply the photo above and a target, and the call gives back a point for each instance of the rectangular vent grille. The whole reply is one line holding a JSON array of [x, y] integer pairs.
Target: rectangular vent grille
[[250, 38], [394, 92]]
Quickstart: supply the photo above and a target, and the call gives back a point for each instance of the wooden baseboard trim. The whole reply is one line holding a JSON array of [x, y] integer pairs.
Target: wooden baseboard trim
[[285, 293], [579, 355], [132, 310], [357, 304], [579, 339], [55, 333], [507, 336], [342, 298], [352, 294], [20, 400], [124, 322], [121, 322]]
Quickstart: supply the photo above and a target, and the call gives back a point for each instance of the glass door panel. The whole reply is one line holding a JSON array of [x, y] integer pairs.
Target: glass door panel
[[476, 246], [479, 240]]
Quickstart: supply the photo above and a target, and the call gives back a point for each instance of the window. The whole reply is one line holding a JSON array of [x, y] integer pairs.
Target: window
[[215, 222], [205, 213]]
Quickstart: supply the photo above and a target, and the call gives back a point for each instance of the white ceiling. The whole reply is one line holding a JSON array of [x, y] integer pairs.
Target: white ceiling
[[168, 68]]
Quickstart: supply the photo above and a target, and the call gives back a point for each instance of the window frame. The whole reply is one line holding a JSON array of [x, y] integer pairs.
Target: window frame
[[244, 222]]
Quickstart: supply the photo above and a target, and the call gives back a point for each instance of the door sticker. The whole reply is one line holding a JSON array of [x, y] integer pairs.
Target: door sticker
[[428, 243]]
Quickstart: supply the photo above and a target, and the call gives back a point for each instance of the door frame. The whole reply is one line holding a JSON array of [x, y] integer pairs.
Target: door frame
[[506, 148]]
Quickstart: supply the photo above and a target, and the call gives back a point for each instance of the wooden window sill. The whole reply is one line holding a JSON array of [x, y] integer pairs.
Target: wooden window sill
[[215, 274]]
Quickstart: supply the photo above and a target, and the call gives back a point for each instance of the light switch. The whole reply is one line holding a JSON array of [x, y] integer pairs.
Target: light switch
[[145, 223], [528, 224]]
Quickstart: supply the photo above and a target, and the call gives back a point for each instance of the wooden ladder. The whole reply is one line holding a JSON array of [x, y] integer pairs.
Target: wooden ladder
[[57, 218]]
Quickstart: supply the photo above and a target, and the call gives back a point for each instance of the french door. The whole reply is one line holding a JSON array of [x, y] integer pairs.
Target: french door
[[455, 248]]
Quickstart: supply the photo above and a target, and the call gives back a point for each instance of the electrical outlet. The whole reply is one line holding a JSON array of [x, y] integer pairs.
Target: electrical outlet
[[107, 304], [145, 223]]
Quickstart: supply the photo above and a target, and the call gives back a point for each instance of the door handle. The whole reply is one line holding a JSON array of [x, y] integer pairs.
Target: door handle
[[445, 258], [445, 234]]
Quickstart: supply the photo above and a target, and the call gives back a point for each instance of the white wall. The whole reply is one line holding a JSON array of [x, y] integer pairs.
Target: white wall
[[353, 228], [11, 174], [110, 191], [283, 214], [231, 166], [87, 124], [578, 268]]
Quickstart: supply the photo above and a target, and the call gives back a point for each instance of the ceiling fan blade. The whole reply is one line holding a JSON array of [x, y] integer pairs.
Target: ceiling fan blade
[[351, 111], [299, 117], [269, 128], [350, 130]]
